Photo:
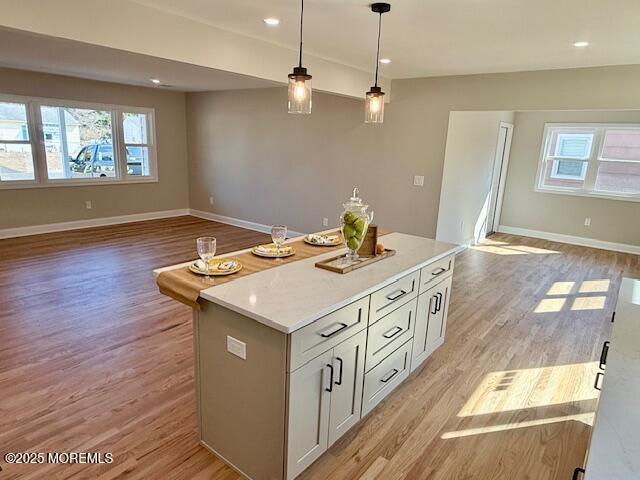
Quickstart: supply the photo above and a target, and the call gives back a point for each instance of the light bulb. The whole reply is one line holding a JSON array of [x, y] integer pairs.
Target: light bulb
[[300, 91], [374, 105]]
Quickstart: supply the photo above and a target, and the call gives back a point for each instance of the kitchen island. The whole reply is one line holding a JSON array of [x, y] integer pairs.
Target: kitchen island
[[289, 358]]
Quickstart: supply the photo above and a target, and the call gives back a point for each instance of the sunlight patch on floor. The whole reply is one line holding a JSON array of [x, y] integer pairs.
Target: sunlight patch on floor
[[532, 388], [561, 288], [586, 418], [594, 286], [589, 303], [504, 248], [550, 305]]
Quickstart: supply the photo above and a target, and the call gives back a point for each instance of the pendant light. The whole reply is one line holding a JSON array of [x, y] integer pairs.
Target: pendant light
[[374, 101], [300, 82]]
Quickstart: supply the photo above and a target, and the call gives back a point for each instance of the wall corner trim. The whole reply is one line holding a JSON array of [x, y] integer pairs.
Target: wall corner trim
[[236, 222], [571, 239], [92, 222]]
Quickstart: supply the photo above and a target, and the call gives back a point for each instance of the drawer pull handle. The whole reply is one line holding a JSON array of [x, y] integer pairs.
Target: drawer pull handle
[[393, 332], [330, 387], [577, 472], [613, 317], [603, 355], [595, 384], [439, 271], [337, 330], [339, 382], [396, 295], [395, 372]]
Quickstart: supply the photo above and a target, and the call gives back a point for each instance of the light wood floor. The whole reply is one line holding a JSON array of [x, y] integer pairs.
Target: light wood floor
[[92, 358]]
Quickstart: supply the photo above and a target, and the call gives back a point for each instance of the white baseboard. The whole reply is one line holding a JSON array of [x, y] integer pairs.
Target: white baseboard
[[573, 240], [92, 222], [258, 227]]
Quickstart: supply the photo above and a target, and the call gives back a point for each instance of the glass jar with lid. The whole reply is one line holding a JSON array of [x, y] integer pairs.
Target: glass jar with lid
[[354, 222]]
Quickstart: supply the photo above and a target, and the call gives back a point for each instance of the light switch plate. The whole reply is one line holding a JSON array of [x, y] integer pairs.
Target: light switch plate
[[418, 181], [325, 222], [236, 347]]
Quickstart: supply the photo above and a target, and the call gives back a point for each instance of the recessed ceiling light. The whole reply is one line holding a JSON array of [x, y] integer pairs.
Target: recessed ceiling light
[[385, 60], [581, 44], [272, 22], [155, 80]]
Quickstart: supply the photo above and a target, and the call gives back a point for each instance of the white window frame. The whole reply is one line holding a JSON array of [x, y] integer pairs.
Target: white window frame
[[37, 141], [590, 168]]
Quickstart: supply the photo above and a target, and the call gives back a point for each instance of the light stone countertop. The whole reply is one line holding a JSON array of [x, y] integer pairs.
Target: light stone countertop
[[614, 453], [293, 295]]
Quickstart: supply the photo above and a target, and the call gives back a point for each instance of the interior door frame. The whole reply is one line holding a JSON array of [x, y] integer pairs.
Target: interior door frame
[[501, 160]]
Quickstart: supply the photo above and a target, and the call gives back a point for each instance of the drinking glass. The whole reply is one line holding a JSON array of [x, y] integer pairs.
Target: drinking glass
[[278, 235], [206, 250]]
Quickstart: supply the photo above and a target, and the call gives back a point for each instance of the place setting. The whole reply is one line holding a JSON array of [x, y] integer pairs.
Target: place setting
[[277, 249], [208, 265]]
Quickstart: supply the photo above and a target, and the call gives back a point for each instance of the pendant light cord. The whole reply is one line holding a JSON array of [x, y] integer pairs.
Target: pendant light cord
[[301, 17], [378, 51]]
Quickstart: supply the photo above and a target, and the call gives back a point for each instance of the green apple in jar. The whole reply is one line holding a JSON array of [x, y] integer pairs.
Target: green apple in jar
[[348, 231], [352, 243], [350, 218]]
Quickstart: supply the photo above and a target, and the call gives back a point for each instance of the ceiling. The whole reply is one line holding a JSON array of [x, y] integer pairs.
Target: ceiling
[[66, 57], [437, 37]]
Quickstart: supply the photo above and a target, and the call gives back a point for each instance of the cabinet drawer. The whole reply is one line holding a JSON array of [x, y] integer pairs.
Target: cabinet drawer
[[386, 376], [325, 333], [388, 298], [434, 272], [389, 333]]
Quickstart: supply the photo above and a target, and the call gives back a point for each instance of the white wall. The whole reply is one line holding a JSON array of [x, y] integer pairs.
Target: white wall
[[468, 170]]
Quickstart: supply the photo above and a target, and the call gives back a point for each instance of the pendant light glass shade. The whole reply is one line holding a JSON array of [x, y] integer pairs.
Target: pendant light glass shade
[[299, 81], [374, 99], [374, 106], [299, 91]]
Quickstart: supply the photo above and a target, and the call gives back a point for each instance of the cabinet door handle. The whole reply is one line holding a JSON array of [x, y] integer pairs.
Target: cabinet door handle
[[577, 472], [395, 372], [396, 295], [439, 271], [439, 302], [435, 305], [393, 332], [603, 355], [339, 329], [613, 317], [595, 384], [339, 382], [330, 387]]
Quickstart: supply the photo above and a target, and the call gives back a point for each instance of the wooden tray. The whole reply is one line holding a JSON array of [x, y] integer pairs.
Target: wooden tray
[[364, 260]]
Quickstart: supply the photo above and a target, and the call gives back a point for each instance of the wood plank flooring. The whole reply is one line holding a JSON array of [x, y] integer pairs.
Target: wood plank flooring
[[92, 358]]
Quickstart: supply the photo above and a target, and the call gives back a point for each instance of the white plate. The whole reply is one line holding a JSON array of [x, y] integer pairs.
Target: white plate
[[285, 251], [337, 241], [213, 271]]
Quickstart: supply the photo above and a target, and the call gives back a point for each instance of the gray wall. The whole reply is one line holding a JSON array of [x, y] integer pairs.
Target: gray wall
[[465, 197], [263, 165], [34, 206], [611, 220]]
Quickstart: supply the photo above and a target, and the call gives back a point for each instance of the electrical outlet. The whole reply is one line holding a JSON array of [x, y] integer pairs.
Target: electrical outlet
[[88, 205], [418, 181], [236, 347], [211, 201], [325, 222], [587, 222]]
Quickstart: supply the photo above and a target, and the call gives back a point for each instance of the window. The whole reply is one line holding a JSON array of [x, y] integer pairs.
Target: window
[[52, 143], [16, 154], [591, 159]]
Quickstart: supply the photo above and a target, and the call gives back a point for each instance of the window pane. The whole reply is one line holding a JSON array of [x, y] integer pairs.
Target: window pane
[[78, 142], [573, 145], [622, 144], [138, 161], [13, 122], [565, 173], [135, 128], [618, 177], [16, 162]]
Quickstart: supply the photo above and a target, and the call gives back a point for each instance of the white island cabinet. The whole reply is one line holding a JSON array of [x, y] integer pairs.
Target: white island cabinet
[[290, 358]]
